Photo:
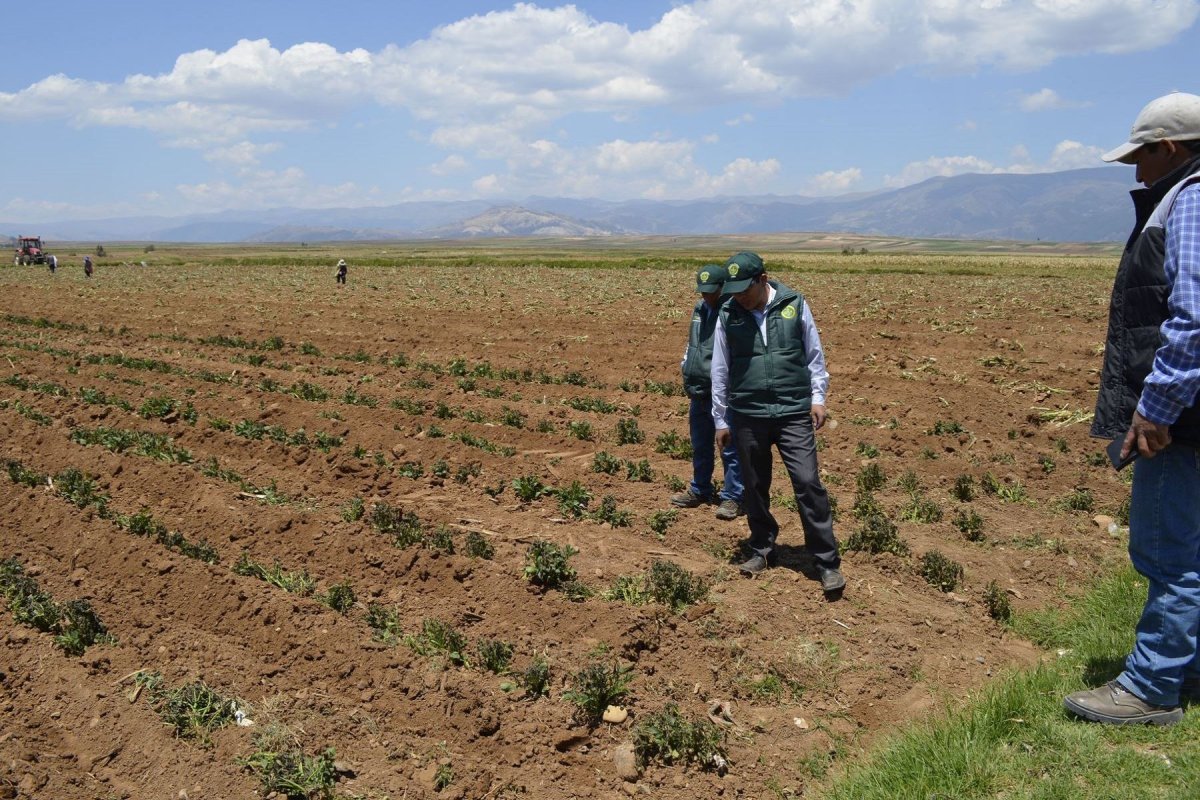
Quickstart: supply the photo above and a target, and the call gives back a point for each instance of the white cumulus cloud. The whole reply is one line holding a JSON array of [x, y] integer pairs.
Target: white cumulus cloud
[[1047, 100], [834, 182], [449, 165], [1067, 154], [268, 188], [489, 85], [939, 166]]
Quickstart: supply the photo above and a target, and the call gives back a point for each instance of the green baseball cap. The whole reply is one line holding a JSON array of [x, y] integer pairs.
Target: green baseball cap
[[743, 268], [710, 278]]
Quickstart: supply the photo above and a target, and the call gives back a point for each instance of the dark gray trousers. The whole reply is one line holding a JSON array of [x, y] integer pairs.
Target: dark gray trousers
[[794, 437]]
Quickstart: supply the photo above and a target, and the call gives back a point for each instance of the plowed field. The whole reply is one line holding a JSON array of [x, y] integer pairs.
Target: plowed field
[[302, 497]]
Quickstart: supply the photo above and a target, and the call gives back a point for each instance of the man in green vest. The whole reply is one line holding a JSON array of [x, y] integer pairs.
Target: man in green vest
[[697, 383], [768, 385]]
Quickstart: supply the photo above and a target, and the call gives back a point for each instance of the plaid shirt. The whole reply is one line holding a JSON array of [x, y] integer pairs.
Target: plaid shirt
[[1173, 383]]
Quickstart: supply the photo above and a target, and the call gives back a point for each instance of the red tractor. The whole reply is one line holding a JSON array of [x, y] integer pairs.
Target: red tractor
[[29, 251]]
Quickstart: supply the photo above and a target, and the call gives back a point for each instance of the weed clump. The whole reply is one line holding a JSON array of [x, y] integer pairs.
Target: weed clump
[[866, 450], [546, 564], [354, 510], [20, 474], [608, 512], [573, 500], [921, 509], [74, 623], [865, 505], [672, 585], [193, 710], [659, 521], [605, 463], [1080, 499], [672, 444], [668, 737], [877, 534], [909, 482], [81, 491], [639, 471], [996, 600], [664, 582], [494, 655], [406, 527], [340, 597], [964, 489], [940, 571], [596, 687], [628, 432], [300, 583], [439, 638], [476, 545], [535, 680], [970, 524], [385, 622], [581, 430], [529, 488], [870, 478], [290, 772]]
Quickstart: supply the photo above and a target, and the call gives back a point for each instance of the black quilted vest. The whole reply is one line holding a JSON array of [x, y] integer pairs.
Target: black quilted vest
[[1136, 312]]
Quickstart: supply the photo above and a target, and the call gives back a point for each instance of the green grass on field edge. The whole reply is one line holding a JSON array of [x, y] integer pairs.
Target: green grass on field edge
[[1014, 740]]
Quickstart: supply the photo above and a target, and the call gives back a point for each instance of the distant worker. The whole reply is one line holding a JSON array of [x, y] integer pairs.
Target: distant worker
[[1149, 400], [52, 260], [697, 383], [341, 270], [768, 388], [87, 266]]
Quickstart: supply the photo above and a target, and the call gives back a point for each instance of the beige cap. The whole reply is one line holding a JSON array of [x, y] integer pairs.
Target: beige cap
[[1174, 116]]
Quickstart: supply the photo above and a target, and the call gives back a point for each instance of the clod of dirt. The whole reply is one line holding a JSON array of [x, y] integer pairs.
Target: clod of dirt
[[625, 760]]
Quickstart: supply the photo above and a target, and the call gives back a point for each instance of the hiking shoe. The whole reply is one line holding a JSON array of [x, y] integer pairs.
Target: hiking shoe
[[688, 499], [754, 565], [1190, 690], [1113, 704], [832, 579], [729, 509]]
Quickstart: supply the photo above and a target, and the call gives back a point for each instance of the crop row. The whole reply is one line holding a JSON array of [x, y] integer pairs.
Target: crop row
[[73, 624]]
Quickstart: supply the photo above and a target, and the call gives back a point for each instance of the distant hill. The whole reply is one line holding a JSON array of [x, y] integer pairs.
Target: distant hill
[[517, 221], [1087, 205]]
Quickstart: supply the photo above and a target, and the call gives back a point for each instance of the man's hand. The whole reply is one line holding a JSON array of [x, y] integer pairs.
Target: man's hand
[[818, 414], [723, 437], [1148, 437]]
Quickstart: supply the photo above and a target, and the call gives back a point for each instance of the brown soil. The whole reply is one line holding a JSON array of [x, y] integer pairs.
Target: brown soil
[[809, 681]]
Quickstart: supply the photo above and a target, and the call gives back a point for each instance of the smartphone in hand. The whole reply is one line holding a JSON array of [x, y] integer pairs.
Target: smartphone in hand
[[1114, 453]]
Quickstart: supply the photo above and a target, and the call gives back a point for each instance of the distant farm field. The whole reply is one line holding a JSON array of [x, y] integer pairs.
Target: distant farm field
[[416, 527]]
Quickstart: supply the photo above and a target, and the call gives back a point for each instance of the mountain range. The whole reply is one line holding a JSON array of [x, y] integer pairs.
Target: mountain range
[[1087, 205]]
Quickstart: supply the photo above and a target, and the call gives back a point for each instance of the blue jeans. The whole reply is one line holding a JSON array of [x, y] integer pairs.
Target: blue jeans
[[1164, 546], [704, 432]]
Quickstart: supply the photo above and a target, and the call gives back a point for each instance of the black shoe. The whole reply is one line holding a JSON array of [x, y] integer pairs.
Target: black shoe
[[832, 579], [754, 565], [1190, 690]]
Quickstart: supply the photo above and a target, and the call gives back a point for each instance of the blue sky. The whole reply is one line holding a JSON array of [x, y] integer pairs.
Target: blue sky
[[129, 107]]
